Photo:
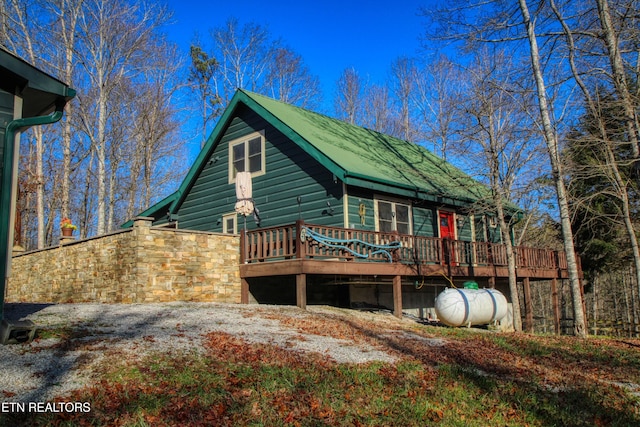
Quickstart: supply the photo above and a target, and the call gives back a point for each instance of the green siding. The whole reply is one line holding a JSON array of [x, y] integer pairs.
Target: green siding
[[357, 197], [422, 217], [480, 228], [463, 223], [424, 222], [290, 173], [495, 236]]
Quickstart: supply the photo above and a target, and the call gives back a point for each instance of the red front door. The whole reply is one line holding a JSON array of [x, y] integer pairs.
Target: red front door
[[447, 230], [447, 234]]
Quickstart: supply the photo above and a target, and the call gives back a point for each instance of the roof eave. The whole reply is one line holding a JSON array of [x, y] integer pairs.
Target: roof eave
[[408, 190], [41, 92]]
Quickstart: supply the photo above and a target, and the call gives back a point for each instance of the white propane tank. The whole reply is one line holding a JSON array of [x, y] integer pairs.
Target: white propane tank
[[458, 307]]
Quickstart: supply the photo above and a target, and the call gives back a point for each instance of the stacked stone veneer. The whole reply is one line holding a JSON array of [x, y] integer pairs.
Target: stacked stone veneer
[[141, 264]]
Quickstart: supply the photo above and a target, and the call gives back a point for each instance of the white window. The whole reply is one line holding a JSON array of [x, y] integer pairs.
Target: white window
[[247, 155], [393, 216], [230, 223]]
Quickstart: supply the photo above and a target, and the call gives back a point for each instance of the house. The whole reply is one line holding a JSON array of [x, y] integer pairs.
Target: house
[[28, 97], [320, 178]]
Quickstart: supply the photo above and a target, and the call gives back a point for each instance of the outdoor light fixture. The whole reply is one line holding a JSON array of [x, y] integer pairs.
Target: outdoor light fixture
[[329, 210]]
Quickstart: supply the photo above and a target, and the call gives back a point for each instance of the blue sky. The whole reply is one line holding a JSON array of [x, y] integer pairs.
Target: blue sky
[[330, 35]]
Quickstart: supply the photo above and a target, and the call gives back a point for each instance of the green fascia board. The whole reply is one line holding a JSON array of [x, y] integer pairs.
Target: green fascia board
[[408, 192], [205, 153]]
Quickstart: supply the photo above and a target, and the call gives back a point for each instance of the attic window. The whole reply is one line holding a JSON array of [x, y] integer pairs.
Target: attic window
[[247, 154]]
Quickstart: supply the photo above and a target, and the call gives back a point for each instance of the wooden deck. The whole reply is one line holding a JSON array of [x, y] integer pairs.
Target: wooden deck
[[302, 249]]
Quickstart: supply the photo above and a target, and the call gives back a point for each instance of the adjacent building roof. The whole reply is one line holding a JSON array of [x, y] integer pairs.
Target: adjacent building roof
[[40, 91], [355, 155]]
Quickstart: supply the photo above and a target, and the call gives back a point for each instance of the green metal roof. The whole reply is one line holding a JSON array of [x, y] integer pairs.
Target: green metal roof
[[364, 157]]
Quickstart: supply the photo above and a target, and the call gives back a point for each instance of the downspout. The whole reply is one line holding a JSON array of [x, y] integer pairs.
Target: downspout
[[7, 208]]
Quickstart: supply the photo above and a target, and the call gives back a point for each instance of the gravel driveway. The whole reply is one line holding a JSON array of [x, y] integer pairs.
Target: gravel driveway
[[50, 367]]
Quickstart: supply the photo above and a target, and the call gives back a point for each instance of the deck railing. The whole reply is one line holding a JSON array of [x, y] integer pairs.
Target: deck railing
[[298, 241]]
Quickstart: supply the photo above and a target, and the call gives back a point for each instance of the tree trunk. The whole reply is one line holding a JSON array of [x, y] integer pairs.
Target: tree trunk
[[101, 158], [619, 74], [504, 228], [610, 168], [579, 323]]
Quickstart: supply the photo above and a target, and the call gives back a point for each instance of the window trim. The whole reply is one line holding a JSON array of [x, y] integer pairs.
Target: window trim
[[245, 140], [393, 203], [234, 217]]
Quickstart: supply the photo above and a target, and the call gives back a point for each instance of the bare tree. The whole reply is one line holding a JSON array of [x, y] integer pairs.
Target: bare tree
[[107, 51], [242, 52], [154, 151], [438, 89], [607, 166], [114, 34], [246, 57], [497, 136], [289, 79], [347, 102], [378, 113], [67, 15], [551, 140], [618, 71], [403, 82]]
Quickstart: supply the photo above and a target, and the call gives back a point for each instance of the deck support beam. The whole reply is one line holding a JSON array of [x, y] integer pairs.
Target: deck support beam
[[301, 291], [528, 306], [244, 291], [555, 301], [397, 296]]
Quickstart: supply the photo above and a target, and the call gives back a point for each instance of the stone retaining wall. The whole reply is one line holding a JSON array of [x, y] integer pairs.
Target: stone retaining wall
[[141, 264]]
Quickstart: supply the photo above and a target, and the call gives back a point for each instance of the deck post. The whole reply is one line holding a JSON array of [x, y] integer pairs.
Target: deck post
[[584, 306], [528, 306], [556, 305], [301, 291], [243, 246], [492, 282], [300, 245], [244, 291], [397, 296]]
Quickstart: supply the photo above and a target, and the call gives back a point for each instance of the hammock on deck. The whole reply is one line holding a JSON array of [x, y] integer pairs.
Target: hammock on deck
[[342, 244]]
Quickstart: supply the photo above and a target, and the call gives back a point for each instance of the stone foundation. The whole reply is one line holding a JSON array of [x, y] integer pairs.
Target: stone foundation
[[137, 265]]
